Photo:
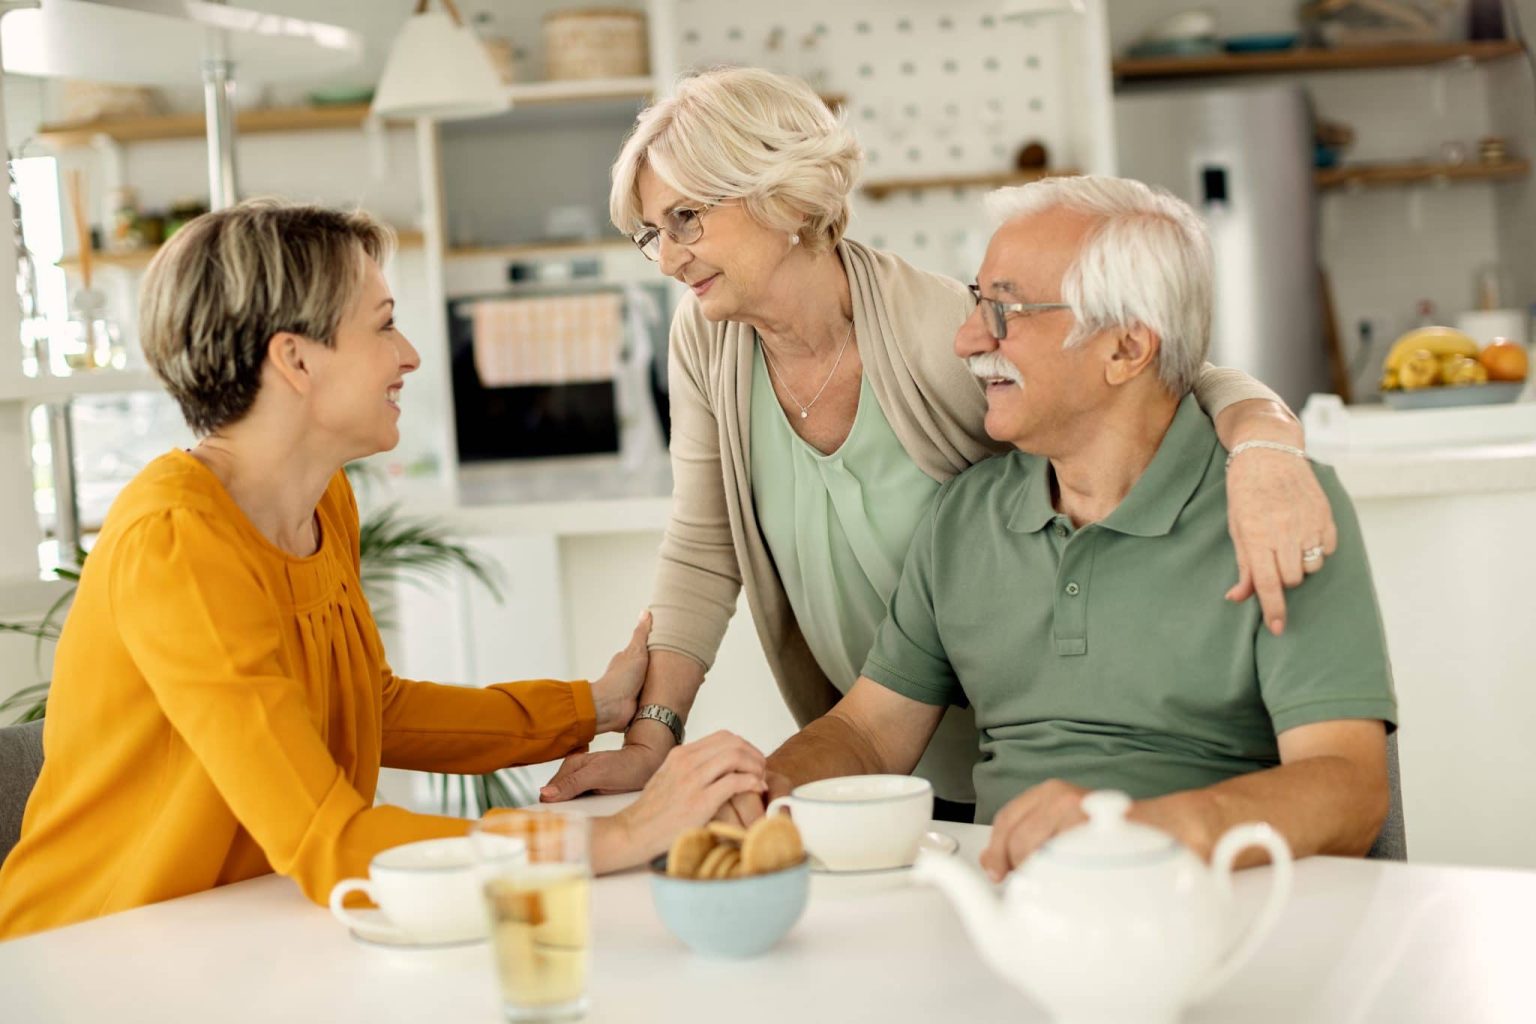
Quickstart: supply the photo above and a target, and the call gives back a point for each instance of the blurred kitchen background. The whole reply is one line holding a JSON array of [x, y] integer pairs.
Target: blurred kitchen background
[[1364, 166]]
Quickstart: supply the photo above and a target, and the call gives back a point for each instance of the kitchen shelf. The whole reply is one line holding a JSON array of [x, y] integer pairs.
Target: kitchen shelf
[[1378, 175], [63, 135], [625, 94], [1313, 59], [595, 247], [138, 259], [880, 189]]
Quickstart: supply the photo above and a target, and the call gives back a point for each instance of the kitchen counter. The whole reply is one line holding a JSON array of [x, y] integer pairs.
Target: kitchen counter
[[1444, 470], [1446, 500]]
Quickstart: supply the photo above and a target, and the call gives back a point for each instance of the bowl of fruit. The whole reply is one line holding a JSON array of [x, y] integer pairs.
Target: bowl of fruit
[[1434, 367]]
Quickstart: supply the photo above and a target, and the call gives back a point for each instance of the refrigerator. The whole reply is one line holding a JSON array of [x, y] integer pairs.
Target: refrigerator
[[1243, 157]]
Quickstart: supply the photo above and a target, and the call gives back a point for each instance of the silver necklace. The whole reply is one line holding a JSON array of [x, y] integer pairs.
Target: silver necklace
[[805, 407]]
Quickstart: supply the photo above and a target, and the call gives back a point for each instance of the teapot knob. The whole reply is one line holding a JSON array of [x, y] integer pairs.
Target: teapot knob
[[1106, 808]]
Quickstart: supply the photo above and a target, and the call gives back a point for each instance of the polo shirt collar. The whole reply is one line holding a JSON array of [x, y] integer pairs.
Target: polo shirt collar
[[1170, 479], [1155, 501], [1032, 510]]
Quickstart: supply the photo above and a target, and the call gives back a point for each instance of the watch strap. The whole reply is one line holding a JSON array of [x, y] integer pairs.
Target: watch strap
[[663, 714]]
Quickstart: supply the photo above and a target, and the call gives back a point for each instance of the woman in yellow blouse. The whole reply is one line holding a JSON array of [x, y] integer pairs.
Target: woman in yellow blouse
[[221, 703]]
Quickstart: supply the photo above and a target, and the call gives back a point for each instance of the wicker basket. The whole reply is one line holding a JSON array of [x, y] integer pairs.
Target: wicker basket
[[595, 42]]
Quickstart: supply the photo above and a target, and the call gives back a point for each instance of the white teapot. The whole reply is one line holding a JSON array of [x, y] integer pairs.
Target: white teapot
[[1112, 920]]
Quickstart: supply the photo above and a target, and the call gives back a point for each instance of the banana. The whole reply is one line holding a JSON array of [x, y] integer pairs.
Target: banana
[[1438, 341]]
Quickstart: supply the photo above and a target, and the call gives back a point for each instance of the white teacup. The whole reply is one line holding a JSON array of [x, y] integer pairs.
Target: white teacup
[[429, 891], [861, 822]]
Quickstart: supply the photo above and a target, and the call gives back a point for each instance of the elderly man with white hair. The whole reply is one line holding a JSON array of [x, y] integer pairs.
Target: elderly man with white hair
[[1059, 589]]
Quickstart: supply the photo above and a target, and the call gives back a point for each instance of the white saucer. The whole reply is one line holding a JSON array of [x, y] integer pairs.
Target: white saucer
[[377, 930], [850, 883], [938, 842]]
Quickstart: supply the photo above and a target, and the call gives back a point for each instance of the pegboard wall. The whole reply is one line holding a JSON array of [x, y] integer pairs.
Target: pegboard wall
[[931, 91]]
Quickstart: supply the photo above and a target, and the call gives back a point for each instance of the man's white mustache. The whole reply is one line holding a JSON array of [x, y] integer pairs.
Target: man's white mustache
[[990, 366]]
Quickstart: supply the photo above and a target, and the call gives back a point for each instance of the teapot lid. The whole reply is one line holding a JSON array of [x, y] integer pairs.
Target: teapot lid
[[1108, 839]]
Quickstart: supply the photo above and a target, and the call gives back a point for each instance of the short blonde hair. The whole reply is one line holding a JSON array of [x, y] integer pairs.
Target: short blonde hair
[[746, 134], [228, 281], [1147, 262]]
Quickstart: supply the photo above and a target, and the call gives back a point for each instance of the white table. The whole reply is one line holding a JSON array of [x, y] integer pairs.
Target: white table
[[1359, 941]]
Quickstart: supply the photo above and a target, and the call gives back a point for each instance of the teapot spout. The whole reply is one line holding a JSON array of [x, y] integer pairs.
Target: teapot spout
[[977, 905]]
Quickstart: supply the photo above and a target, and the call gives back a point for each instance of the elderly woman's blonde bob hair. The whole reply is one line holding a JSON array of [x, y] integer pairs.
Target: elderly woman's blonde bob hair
[[745, 134]]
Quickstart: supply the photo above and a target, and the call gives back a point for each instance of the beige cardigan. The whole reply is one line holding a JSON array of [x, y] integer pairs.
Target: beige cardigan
[[905, 319]]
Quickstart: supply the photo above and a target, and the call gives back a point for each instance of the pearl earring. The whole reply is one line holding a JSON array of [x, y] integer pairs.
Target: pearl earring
[[794, 239]]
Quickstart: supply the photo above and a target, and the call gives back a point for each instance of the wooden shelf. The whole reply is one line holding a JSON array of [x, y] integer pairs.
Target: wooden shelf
[[138, 259], [1309, 59], [542, 93], [1379, 175], [627, 92], [195, 126], [880, 189], [525, 250]]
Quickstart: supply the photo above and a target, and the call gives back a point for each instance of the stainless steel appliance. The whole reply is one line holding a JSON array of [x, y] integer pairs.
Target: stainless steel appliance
[[1243, 157]]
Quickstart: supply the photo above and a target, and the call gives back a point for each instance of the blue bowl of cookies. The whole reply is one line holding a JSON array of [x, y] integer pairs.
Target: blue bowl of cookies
[[732, 892]]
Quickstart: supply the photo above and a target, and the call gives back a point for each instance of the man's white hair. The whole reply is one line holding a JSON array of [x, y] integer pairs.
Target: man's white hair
[[1147, 263]]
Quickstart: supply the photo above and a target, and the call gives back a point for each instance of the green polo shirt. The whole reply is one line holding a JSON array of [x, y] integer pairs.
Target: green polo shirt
[[1106, 656]]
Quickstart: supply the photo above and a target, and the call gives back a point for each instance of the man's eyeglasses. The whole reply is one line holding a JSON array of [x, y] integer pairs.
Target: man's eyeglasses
[[996, 313], [682, 224]]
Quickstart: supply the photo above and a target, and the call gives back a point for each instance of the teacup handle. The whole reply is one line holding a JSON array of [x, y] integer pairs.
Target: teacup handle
[[779, 803], [339, 894], [1222, 858]]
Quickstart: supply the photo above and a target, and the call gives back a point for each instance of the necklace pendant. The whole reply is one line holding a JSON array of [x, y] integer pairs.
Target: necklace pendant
[[804, 413]]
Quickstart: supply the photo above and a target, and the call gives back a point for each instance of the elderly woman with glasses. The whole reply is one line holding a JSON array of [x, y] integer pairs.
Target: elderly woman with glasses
[[816, 408]]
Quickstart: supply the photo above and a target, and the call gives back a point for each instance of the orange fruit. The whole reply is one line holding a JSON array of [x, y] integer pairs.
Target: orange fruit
[[1505, 360]]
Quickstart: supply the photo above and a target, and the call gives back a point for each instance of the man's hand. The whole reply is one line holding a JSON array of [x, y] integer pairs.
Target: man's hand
[[606, 771], [746, 808], [1030, 819], [1027, 821], [614, 694]]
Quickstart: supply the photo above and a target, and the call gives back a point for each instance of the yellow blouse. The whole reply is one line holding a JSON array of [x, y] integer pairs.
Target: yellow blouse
[[220, 709]]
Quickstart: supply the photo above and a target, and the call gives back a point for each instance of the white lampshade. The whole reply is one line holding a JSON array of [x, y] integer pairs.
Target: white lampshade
[[438, 69]]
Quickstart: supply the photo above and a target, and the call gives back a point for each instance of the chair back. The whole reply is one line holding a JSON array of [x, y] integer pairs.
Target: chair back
[[1392, 841], [21, 759]]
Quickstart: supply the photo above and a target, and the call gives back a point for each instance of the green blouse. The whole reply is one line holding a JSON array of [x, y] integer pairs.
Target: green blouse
[[838, 527]]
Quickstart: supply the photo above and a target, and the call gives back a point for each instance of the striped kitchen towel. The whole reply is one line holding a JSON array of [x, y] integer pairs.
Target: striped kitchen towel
[[551, 339]]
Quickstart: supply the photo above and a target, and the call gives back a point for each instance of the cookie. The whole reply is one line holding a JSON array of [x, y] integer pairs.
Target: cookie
[[688, 853], [713, 860], [726, 831], [726, 868], [772, 844]]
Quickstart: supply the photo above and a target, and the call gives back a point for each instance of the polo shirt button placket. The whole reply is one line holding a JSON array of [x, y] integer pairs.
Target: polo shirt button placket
[[1071, 625]]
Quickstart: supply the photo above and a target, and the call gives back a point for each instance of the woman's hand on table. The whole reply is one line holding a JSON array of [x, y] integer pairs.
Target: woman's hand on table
[[616, 692], [606, 771], [1277, 512], [693, 783]]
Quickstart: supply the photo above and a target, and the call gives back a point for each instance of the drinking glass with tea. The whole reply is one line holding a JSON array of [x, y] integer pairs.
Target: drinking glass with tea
[[537, 873]]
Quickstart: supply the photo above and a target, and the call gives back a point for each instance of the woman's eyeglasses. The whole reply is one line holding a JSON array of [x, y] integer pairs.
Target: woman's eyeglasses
[[996, 313], [682, 224]]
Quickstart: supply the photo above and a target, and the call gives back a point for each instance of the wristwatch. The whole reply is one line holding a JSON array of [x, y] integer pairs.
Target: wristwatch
[[665, 715]]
